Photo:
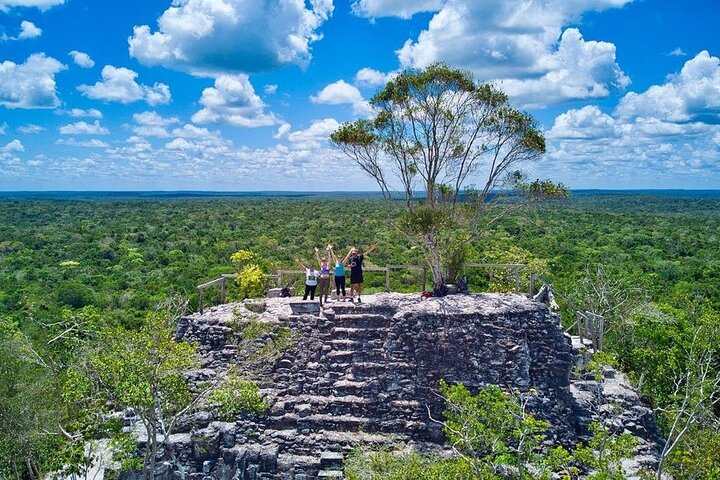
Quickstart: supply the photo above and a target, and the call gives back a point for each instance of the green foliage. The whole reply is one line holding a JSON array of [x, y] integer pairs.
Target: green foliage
[[251, 275], [605, 452], [387, 465], [236, 396], [492, 429], [661, 248]]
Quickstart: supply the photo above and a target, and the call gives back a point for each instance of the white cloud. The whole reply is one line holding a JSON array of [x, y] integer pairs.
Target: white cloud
[[3, 128], [315, 135], [233, 101], [518, 40], [579, 69], [80, 113], [678, 52], [210, 37], [30, 84], [14, 146], [191, 131], [82, 59], [31, 129], [670, 132], [84, 128], [92, 143], [6, 5], [340, 93], [373, 78], [282, 131], [119, 85], [151, 124], [270, 89], [29, 30], [586, 123], [691, 95], [394, 8]]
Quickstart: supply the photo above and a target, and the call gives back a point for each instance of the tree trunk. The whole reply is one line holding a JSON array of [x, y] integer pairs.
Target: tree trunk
[[434, 263]]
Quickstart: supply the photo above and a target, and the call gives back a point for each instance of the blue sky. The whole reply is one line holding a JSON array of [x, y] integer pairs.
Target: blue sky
[[242, 94]]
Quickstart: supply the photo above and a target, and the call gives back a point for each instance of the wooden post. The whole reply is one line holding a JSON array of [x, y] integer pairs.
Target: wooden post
[[424, 279], [580, 321], [280, 284], [532, 285], [200, 302], [517, 279], [387, 279], [222, 290]]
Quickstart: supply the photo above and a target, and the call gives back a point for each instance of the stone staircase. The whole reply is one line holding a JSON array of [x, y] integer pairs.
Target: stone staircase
[[358, 391], [364, 375]]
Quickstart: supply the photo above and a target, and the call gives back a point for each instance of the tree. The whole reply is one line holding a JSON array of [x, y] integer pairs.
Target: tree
[[695, 394], [251, 274], [143, 370], [436, 131]]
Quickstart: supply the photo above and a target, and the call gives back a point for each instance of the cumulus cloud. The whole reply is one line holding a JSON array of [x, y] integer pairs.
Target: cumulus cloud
[[394, 8], [579, 69], [518, 40], [29, 30], [668, 131], [315, 135], [80, 113], [82, 59], [282, 131], [119, 84], [14, 146], [211, 37], [6, 5], [233, 101], [92, 143], [84, 128], [373, 78], [691, 95], [3, 128], [30, 84], [340, 93], [151, 124], [31, 129]]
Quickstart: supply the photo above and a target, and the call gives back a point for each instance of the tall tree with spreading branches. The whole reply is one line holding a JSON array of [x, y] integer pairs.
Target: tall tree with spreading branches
[[437, 132]]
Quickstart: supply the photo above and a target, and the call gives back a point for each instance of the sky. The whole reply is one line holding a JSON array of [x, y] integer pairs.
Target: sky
[[242, 95]]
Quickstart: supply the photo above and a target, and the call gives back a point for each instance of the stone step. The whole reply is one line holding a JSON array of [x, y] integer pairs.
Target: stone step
[[355, 343], [359, 333], [362, 355], [341, 308], [359, 320], [321, 421]]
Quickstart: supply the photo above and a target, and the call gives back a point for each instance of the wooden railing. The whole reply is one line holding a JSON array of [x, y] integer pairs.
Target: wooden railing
[[514, 268], [591, 326]]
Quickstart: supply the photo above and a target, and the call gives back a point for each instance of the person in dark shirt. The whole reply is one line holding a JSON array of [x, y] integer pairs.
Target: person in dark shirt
[[355, 261]]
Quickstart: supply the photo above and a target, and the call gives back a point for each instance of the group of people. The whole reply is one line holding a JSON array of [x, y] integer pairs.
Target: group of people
[[320, 278]]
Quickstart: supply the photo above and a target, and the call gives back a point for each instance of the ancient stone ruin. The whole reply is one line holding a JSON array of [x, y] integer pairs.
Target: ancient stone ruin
[[366, 375]]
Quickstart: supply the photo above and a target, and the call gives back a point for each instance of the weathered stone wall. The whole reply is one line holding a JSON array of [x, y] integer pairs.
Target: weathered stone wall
[[366, 374]]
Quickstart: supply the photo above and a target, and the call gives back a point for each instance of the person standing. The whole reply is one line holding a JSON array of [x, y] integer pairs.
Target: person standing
[[355, 260], [339, 272], [324, 282], [311, 279]]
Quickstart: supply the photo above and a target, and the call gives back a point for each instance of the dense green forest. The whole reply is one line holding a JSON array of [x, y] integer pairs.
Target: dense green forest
[[649, 263]]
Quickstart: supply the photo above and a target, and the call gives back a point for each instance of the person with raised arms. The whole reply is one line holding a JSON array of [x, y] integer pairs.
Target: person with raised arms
[[324, 283], [355, 260], [339, 272], [311, 279]]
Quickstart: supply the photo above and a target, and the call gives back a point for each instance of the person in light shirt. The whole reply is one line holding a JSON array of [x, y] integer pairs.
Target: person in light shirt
[[311, 279]]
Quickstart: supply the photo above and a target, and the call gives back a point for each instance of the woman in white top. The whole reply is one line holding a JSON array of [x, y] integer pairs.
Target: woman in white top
[[311, 279]]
